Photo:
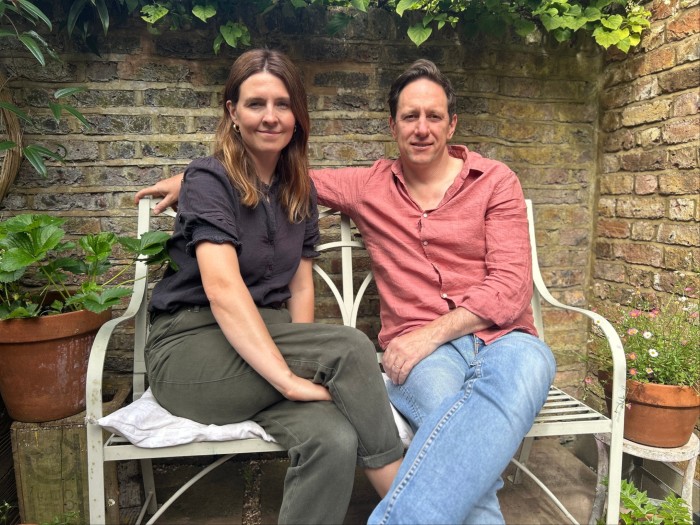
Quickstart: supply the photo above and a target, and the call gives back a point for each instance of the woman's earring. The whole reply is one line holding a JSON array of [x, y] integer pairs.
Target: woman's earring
[[295, 128], [236, 128]]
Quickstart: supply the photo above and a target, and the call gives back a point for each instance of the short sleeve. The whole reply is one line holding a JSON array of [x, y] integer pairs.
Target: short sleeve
[[208, 205]]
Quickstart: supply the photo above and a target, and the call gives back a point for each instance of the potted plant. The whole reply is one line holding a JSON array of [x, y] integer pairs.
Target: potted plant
[[661, 336], [637, 507], [55, 294]]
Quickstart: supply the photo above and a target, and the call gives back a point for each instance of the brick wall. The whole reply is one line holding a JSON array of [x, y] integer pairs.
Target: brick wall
[[154, 101], [648, 223]]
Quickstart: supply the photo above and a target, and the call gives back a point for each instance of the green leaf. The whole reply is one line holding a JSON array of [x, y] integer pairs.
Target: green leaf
[[64, 92], [77, 114], [33, 48], [524, 27], [98, 303], [103, 13], [98, 246], [34, 11], [41, 150], [204, 12], [419, 34], [75, 9], [337, 23], [403, 5], [217, 44], [612, 22], [36, 160], [299, 3], [360, 5], [150, 243], [7, 144], [233, 33], [7, 32], [131, 5], [153, 13], [16, 110]]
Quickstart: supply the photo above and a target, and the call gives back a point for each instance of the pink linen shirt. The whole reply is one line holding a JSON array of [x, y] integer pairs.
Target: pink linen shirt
[[472, 251]]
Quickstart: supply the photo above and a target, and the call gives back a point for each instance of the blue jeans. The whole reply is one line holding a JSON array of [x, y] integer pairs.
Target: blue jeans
[[472, 404]]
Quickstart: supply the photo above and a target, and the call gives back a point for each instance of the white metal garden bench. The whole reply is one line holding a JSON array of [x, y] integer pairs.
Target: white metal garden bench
[[562, 414]]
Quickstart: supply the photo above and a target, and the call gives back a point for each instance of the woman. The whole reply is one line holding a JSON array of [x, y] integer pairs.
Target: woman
[[231, 336]]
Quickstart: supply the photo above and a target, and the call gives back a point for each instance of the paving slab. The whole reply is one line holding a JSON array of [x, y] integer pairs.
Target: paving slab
[[249, 493]]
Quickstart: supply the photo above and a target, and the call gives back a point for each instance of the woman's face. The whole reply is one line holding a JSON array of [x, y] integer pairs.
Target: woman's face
[[264, 115]]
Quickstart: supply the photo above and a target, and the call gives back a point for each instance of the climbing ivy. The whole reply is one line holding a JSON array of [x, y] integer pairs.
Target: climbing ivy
[[611, 23]]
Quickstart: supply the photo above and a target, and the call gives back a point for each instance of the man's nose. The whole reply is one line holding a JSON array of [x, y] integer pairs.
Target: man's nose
[[421, 126]]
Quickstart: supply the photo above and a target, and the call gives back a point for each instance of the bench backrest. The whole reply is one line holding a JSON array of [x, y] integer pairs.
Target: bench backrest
[[347, 298]]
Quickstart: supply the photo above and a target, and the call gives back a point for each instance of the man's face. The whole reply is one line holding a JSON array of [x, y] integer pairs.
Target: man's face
[[423, 125]]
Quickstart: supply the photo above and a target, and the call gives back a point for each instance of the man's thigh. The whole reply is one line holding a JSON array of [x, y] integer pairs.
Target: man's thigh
[[436, 377]]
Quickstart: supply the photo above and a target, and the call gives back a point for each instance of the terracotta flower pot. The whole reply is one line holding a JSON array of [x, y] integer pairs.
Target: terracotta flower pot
[[660, 415], [657, 415], [43, 364]]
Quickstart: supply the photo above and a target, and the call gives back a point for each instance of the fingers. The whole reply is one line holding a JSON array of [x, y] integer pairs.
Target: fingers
[[397, 371], [165, 203]]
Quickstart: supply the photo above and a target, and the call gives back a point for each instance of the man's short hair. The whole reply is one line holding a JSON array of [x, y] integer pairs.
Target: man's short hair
[[422, 68]]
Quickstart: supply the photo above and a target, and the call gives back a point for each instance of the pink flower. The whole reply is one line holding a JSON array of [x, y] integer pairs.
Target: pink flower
[[632, 356], [632, 331], [588, 380], [654, 313], [633, 371], [635, 313]]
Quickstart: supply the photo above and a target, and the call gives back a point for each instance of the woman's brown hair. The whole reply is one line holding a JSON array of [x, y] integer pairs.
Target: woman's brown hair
[[292, 166]]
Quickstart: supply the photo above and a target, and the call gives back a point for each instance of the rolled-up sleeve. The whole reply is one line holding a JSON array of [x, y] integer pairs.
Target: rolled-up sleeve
[[207, 209], [506, 291]]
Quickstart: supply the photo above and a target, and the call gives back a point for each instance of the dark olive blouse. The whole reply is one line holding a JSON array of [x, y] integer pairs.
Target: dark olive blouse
[[269, 247]]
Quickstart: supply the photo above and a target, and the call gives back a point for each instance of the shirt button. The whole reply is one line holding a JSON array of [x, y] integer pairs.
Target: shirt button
[[425, 243], [425, 215], [444, 296]]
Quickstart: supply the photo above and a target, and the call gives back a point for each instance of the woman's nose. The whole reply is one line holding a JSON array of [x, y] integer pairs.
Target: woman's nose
[[270, 116]]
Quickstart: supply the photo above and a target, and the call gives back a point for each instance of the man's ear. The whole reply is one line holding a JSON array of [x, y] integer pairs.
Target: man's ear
[[392, 127], [453, 126]]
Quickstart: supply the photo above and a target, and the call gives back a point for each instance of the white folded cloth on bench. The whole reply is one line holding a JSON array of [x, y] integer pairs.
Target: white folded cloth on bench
[[147, 424]]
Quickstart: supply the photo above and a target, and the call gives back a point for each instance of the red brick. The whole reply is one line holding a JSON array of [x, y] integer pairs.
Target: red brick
[[613, 228], [616, 184], [679, 233], [686, 104], [609, 271], [679, 183], [634, 253], [643, 231], [645, 208], [682, 209], [683, 130], [645, 184], [687, 23]]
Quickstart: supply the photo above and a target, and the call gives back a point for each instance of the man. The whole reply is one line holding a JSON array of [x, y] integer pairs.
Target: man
[[447, 233]]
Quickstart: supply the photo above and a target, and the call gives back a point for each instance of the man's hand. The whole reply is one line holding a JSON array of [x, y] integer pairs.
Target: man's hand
[[168, 189], [405, 351]]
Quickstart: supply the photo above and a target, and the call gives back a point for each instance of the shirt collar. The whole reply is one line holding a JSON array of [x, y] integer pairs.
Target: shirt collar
[[457, 151]]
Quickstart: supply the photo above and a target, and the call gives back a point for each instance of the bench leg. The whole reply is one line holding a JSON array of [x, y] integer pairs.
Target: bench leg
[[523, 458], [149, 485]]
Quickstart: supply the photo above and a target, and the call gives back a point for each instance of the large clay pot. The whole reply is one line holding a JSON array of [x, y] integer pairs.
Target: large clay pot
[[660, 415], [43, 364]]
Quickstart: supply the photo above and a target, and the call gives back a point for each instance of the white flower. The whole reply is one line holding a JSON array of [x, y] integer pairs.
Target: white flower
[[653, 352], [647, 335]]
